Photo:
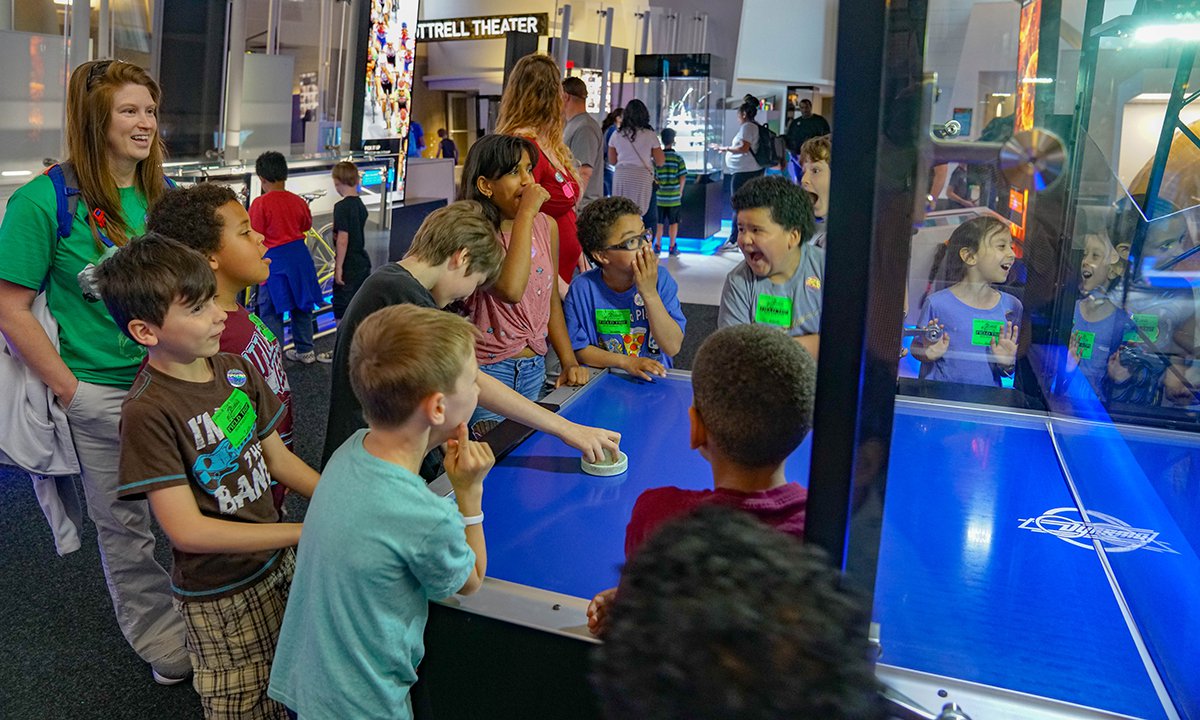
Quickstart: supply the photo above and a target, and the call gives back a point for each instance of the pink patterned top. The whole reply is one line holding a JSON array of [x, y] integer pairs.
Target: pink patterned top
[[506, 328]]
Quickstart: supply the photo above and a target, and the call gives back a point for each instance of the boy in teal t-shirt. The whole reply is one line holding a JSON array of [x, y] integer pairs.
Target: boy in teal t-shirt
[[670, 178], [377, 544]]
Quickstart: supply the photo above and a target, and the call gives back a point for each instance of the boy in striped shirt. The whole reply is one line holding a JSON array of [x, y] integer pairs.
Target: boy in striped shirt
[[670, 178]]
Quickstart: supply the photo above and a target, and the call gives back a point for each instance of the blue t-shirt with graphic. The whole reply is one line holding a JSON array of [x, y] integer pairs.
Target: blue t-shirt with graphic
[[617, 322], [967, 359]]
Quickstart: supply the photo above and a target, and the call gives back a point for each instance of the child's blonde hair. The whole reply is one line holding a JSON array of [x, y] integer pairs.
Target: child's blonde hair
[[404, 353], [346, 173], [459, 225], [817, 149], [532, 106]]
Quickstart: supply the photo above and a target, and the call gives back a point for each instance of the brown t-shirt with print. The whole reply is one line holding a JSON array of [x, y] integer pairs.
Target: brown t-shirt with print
[[206, 436]]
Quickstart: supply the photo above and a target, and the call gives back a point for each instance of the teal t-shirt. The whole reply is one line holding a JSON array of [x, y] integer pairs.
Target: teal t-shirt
[[90, 343], [377, 547]]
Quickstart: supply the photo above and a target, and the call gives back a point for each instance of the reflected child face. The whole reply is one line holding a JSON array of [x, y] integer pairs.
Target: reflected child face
[[1098, 258], [992, 261], [770, 250]]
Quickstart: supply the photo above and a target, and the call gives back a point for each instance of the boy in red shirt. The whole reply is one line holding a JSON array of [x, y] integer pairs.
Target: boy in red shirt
[[745, 424], [283, 217]]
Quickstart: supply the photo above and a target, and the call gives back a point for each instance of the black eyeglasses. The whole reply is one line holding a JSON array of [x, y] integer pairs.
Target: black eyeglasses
[[97, 72], [637, 242]]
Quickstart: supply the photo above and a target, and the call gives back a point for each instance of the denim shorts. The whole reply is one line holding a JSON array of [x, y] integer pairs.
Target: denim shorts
[[525, 375]]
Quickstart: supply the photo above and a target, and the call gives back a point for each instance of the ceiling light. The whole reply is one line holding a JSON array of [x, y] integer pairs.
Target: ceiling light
[[1159, 33]]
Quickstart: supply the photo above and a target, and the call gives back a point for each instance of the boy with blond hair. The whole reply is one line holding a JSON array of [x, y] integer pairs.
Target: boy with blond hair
[[351, 265], [454, 252], [199, 441], [352, 637]]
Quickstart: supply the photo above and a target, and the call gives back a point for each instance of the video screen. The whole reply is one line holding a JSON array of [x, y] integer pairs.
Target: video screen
[[391, 43]]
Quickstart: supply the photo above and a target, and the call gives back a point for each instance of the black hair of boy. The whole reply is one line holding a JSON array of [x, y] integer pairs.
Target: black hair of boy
[[720, 617], [492, 157], [790, 206], [668, 136], [596, 221], [271, 166], [189, 215], [760, 414], [148, 275]]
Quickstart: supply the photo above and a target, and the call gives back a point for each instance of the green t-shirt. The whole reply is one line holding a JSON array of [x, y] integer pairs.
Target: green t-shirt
[[89, 341]]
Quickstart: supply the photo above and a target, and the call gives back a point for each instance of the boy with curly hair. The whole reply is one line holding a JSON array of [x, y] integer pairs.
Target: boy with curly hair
[[735, 425], [625, 312], [721, 617], [778, 283]]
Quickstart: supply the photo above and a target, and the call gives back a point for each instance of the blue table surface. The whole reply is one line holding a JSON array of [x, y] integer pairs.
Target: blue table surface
[[551, 526], [962, 590]]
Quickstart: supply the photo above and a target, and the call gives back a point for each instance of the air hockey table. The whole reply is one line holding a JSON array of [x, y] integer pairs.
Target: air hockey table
[[1028, 568]]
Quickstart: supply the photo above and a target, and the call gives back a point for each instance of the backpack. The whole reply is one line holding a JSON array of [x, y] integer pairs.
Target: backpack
[[768, 151], [66, 193]]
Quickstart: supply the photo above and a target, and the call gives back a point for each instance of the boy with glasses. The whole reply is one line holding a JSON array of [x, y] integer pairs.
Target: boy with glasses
[[625, 312]]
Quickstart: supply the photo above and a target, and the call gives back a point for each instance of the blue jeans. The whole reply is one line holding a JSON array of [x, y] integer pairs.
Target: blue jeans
[[302, 322], [525, 375]]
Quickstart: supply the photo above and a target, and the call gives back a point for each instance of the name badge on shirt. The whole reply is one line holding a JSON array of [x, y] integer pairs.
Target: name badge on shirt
[[568, 189], [983, 332], [1147, 326], [1085, 342], [262, 327], [612, 322], [236, 418], [773, 310]]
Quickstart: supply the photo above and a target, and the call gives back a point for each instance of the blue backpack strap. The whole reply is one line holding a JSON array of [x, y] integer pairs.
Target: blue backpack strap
[[66, 194], [171, 184]]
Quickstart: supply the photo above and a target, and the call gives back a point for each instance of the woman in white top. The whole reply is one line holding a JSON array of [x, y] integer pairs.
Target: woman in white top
[[739, 156], [635, 152]]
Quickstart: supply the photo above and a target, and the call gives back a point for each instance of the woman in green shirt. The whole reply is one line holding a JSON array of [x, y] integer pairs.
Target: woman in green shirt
[[116, 157]]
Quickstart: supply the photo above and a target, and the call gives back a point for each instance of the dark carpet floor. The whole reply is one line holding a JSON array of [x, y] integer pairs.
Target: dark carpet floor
[[61, 653]]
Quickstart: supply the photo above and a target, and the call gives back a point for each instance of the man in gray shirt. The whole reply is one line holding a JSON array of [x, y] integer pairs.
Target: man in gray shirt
[[584, 137]]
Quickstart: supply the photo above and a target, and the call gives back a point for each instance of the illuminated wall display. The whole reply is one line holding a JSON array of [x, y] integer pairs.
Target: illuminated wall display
[[489, 27]]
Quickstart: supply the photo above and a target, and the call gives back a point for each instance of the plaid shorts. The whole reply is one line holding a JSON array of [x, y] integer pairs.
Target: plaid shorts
[[231, 642]]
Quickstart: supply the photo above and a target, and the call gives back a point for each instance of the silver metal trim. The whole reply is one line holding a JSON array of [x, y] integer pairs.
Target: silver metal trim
[[555, 613], [1135, 634]]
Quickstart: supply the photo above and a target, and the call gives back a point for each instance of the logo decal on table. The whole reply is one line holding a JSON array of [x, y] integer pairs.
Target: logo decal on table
[[1113, 534]]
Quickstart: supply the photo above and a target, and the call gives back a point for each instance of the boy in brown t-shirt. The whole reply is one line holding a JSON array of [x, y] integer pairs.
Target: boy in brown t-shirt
[[199, 440]]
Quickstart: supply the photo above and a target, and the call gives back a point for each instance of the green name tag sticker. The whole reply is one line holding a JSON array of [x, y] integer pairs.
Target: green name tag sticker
[[262, 327], [1085, 342], [773, 310], [1147, 328], [983, 332], [236, 418], [612, 322]]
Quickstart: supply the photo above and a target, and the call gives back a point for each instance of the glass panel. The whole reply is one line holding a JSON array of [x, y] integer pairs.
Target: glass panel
[[1024, 512], [695, 109]]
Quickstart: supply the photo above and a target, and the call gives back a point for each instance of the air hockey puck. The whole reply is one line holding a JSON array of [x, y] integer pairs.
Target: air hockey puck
[[607, 467]]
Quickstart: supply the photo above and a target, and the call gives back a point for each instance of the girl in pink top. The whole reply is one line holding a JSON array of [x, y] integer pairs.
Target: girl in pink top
[[518, 314]]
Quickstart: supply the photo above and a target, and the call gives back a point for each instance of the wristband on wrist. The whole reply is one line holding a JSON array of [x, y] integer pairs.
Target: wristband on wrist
[[473, 519]]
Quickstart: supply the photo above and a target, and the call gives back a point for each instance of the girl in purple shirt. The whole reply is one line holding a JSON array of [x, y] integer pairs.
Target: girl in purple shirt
[[976, 324]]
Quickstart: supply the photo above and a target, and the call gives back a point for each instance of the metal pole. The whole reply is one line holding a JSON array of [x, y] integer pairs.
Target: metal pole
[[645, 18], [156, 25], [323, 62], [6, 15], [274, 10], [564, 36], [674, 18], [81, 30], [235, 72], [350, 72], [606, 62], [703, 32], [104, 32]]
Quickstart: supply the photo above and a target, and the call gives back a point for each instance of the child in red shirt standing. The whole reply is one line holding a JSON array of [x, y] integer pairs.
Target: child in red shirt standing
[[283, 217]]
